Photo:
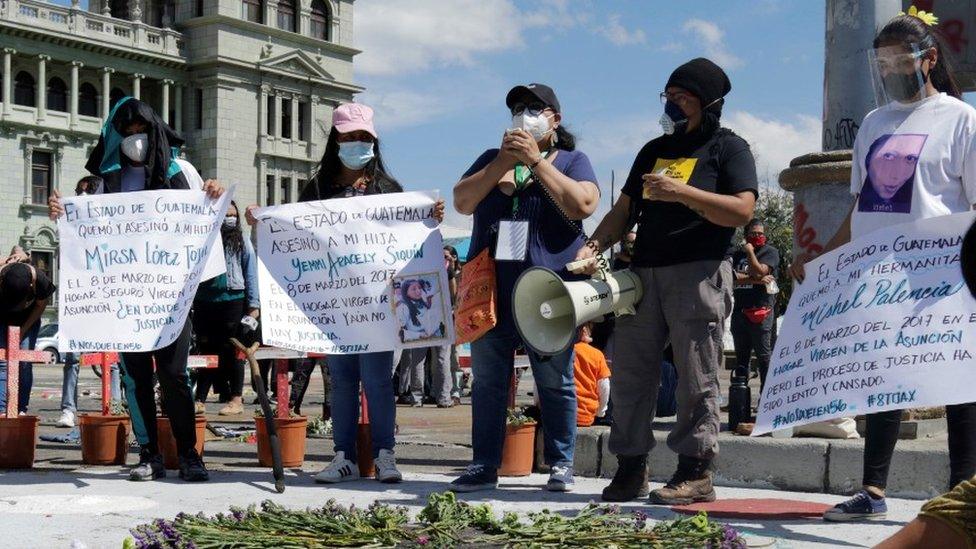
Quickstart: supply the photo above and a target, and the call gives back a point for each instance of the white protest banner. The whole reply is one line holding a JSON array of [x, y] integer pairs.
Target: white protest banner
[[353, 275], [130, 266], [882, 323]]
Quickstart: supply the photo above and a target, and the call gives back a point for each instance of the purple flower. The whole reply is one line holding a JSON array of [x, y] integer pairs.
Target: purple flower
[[640, 520], [238, 514], [423, 540]]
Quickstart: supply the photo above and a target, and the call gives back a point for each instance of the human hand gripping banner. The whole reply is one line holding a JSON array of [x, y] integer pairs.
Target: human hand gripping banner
[[882, 323], [353, 275], [130, 264]]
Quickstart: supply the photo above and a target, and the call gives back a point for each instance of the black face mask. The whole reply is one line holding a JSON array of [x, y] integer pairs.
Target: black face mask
[[674, 119], [902, 87]]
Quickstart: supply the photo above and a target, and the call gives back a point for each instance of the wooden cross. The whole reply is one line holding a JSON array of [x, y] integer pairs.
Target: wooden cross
[[14, 356]]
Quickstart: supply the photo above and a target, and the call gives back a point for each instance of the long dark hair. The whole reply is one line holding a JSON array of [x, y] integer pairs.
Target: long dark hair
[[414, 306], [233, 237], [907, 29], [565, 140], [968, 259], [324, 183]]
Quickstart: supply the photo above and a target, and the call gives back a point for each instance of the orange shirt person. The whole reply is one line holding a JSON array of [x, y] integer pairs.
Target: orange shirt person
[[592, 379]]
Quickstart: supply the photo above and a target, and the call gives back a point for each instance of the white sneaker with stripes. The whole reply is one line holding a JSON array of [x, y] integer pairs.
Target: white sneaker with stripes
[[340, 470]]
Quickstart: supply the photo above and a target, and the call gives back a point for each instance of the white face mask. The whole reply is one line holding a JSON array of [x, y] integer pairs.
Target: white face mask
[[537, 126], [135, 147]]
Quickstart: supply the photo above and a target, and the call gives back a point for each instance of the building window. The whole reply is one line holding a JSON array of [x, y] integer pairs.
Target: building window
[[254, 11], [270, 115], [286, 15], [40, 177], [199, 8], [24, 90], [286, 118], [319, 22], [199, 108], [285, 190], [302, 122], [302, 183], [87, 100], [269, 183], [120, 9], [57, 95], [44, 261], [114, 96]]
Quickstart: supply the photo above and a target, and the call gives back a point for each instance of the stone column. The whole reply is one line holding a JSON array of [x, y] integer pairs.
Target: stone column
[[294, 118], [28, 158], [137, 85], [106, 90], [42, 86], [276, 116], [8, 97], [263, 110], [262, 179], [166, 84], [179, 109], [75, 65]]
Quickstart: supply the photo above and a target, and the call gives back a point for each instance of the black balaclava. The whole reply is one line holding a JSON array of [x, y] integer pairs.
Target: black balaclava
[[706, 81]]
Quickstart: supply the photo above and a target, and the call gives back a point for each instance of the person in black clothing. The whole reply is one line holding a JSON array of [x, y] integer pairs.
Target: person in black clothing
[[137, 152], [756, 265], [690, 189], [24, 292]]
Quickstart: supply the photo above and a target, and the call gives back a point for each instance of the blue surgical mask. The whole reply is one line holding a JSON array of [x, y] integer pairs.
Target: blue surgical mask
[[355, 154]]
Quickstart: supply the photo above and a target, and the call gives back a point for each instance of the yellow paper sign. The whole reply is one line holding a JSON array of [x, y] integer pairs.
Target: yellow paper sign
[[679, 169]]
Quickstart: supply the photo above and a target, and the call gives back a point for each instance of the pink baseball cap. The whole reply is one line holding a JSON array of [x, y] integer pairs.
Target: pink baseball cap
[[350, 117]]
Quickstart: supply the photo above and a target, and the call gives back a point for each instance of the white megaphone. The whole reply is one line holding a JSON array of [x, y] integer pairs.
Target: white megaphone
[[548, 309]]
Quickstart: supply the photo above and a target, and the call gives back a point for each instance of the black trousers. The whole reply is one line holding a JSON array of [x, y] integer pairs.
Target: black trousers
[[882, 434], [748, 338], [174, 383], [214, 324]]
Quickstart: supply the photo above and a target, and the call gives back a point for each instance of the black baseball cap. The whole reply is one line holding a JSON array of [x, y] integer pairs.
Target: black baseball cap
[[541, 92]]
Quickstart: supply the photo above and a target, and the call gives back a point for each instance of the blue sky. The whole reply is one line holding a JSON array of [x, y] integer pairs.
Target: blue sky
[[437, 73]]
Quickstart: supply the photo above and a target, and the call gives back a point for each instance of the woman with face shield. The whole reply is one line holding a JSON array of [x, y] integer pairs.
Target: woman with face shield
[[914, 158], [136, 151], [528, 197]]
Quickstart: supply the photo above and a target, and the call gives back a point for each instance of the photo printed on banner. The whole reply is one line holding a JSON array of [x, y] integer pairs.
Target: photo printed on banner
[[419, 304], [890, 182]]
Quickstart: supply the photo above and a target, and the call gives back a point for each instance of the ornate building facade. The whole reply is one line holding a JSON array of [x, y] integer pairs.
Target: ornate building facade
[[251, 84]]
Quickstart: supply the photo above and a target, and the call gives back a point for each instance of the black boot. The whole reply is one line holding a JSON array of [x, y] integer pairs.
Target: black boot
[[630, 480], [192, 468]]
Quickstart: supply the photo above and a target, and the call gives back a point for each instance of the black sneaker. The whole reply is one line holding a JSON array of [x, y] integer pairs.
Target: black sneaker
[[150, 466], [475, 477], [192, 468]]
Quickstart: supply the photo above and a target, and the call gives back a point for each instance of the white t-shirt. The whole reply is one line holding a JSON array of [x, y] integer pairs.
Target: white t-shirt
[[134, 178], [913, 162]]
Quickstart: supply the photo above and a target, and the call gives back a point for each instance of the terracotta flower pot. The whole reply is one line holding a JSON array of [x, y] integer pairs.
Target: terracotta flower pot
[[364, 451], [18, 440], [291, 434], [167, 442], [518, 451], [104, 439]]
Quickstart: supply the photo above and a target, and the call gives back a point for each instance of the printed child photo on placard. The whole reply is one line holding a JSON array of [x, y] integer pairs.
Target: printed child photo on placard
[[418, 301], [890, 165]]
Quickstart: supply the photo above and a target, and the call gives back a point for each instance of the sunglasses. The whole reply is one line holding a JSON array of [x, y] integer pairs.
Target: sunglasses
[[534, 108]]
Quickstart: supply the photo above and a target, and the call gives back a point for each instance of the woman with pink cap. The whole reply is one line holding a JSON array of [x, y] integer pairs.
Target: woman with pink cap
[[352, 166]]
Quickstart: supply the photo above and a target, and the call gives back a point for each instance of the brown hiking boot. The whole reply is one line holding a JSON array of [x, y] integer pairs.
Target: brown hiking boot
[[691, 483], [630, 480]]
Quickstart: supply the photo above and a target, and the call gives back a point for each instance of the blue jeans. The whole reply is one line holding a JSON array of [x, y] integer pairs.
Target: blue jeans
[[26, 379], [492, 365], [375, 371], [69, 386]]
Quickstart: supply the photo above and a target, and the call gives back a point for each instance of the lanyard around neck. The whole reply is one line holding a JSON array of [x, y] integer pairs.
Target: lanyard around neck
[[522, 176]]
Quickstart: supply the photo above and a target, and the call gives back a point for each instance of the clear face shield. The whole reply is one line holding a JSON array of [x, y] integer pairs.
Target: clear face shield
[[896, 74]]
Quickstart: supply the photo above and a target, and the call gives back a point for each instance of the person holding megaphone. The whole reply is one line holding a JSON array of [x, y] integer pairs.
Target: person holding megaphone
[[689, 190], [528, 198]]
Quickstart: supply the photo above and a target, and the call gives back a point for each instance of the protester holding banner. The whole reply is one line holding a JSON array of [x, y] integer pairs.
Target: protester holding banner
[[69, 385], [690, 188], [227, 306], [24, 292], [914, 158], [136, 152], [352, 166], [528, 197]]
